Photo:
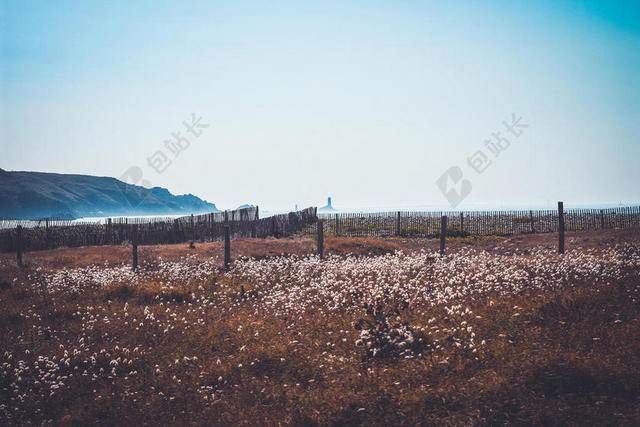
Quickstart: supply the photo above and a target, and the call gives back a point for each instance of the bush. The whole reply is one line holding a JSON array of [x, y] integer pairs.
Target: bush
[[380, 338]]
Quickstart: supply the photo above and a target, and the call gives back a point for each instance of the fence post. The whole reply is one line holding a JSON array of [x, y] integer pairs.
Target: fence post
[[601, 218], [109, 228], [253, 229], [227, 248], [398, 224], [443, 233], [19, 245], [533, 230], [560, 228], [47, 235], [462, 223], [273, 226], [337, 225], [193, 229], [134, 244], [320, 230]]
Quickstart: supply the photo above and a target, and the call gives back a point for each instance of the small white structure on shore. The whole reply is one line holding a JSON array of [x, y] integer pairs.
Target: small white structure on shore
[[327, 208]]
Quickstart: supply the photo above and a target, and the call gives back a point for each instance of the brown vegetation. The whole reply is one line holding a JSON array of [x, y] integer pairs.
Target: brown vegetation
[[203, 351]]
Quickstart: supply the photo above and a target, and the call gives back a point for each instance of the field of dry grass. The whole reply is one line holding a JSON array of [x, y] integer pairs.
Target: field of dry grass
[[501, 330]]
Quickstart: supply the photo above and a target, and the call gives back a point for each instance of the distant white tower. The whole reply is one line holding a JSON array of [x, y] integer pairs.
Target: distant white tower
[[327, 208]]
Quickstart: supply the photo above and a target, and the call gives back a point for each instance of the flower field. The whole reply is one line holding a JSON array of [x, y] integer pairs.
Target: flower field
[[390, 333]]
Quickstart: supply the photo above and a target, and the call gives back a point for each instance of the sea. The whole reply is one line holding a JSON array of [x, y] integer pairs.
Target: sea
[[265, 213]]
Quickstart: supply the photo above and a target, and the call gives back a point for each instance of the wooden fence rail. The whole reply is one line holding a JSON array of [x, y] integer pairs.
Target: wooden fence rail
[[474, 223], [49, 234], [203, 228]]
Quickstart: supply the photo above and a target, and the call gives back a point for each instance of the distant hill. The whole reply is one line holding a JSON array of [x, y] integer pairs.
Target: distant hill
[[34, 195]]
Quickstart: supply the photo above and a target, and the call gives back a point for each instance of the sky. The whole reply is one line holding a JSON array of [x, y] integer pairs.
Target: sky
[[378, 104]]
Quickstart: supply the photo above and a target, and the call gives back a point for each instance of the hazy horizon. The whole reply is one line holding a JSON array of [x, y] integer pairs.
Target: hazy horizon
[[369, 103]]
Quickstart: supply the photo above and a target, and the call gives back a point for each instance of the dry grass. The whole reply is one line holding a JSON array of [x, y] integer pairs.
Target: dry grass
[[203, 349]]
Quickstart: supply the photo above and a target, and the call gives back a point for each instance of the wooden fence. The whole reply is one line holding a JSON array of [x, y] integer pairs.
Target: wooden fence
[[202, 228], [246, 223], [501, 223]]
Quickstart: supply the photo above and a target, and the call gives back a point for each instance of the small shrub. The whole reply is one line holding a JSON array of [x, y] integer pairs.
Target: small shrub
[[380, 338]]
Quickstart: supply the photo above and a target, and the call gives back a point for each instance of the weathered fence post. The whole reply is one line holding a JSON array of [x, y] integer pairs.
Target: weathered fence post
[[560, 228], [443, 233], [398, 224], [202, 229], [47, 236], [108, 236], [462, 223], [134, 244], [19, 245], [193, 229], [227, 248], [601, 218], [210, 227], [337, 225], [533, 230], [320, 230]]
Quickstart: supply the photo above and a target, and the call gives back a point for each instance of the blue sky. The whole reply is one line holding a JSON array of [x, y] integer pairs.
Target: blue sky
[[368, 102]]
